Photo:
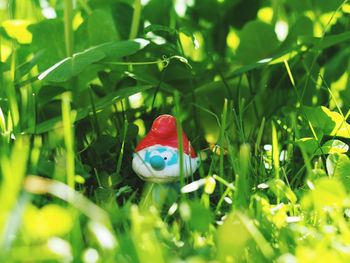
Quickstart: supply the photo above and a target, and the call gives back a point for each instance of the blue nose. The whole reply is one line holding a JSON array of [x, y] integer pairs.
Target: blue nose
[[157, 162]]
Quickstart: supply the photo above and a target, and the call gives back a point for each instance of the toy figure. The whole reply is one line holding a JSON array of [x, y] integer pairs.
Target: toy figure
[[156, 158]]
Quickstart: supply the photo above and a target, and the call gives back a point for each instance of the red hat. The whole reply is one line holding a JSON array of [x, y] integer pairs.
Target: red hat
[[164, 132]]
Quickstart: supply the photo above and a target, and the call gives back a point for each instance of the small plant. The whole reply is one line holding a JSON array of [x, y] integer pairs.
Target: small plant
[[261, 89]]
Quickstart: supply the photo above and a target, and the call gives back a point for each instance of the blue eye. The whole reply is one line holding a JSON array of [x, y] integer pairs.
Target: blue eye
[[173, 159], [160, 157]]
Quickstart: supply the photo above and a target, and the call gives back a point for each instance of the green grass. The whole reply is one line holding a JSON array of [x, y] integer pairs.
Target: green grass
[[267, 117]]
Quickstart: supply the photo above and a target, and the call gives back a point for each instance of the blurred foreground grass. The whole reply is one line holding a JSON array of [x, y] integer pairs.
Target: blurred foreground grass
[[261, 89]]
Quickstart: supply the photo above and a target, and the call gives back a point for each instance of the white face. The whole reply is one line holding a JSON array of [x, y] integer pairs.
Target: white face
[[161, 164]]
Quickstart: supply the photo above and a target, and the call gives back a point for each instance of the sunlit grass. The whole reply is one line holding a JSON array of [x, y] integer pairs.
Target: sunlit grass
[[272, 135]]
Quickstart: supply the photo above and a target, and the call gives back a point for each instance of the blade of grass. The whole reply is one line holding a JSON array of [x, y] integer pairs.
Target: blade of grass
[[308, 166], [39, 185], [222, 141], [221, 200], [35, 153], [2, 122], [179, 137], [258, 139], [289, 72], [94, 114], [224, 182], [275, 152], [258, 237], [303, 151], [337, 106], [242, 195], [318, 47], [13, 168], [121, 153], [68, 138], [11, 92]]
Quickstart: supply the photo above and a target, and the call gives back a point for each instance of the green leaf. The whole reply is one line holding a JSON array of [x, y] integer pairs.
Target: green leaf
[[327, 192], [158, 11], [48, 35], [308, 144], [17, 29], [336, 66], [277, 58], [47, 93], [198, 216], [155, 28], [123, 48], [101, 28], [321, 6], [329, 6], [280, 189], [39, 223], [247, 236], [302, 27], [329, 122], [24, 68], [338, 166], [318, 118], [311, 146], [298, 5], [122, 15], [103, 144], [326, 42], [149, 79], [103, 194], [83, 112], [257, 41], [334, 146], [240, 12], [72, 66]]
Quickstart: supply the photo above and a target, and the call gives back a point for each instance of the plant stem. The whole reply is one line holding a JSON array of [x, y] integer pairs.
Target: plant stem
[[275, 152], [68, 27], [121, 153], [179, 137], [68, 139], [85, 6], [11, 92], [222, 140], [135, 19]]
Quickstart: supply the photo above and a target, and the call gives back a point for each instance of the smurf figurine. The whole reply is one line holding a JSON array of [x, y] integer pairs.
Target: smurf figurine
[[156, 158]]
